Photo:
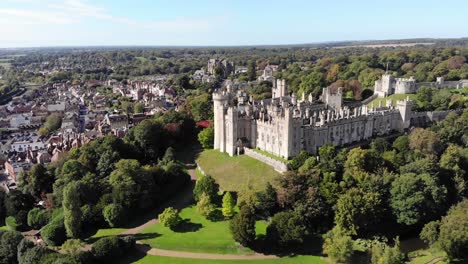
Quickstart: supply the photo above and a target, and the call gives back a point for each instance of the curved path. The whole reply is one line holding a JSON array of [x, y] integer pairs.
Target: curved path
[[180, 202]]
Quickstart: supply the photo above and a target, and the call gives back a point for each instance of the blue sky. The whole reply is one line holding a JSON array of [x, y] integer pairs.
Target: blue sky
[[28, 23]]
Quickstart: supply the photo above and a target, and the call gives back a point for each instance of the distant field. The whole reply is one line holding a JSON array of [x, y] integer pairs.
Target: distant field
[[384, 45], [235, 173], [394, 97]]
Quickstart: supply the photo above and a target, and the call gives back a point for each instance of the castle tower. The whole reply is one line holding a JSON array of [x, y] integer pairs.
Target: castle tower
[[280, 89], [405, 108], [219, 102]]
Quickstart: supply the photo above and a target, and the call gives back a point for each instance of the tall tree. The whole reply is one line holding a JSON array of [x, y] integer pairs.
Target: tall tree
[[72, 209]]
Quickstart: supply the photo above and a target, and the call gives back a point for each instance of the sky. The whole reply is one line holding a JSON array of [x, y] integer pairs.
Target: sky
[[40, 23]]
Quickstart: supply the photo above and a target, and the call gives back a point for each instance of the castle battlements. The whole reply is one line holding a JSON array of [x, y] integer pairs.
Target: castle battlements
[[284, 125]]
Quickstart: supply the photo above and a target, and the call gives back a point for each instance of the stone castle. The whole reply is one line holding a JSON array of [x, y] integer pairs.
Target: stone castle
[[389, 85], [285, 125]]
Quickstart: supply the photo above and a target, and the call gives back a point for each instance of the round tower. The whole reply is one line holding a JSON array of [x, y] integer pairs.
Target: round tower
[[219, 102]]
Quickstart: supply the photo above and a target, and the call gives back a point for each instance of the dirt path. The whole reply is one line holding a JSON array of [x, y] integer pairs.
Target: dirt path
[[193, 255], [436, 260], [180, 202]]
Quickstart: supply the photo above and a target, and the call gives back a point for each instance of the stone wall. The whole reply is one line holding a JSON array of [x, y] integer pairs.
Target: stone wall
[[276, 164]]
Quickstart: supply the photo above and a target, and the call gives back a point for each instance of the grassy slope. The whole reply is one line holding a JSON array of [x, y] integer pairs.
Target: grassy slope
[[268, 154], [198, 235], [235, 173]]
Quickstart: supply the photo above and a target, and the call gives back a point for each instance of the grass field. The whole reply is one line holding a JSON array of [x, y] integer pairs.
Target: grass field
[[197, 234], [235, 173], [394, 97], [148, 259], [107, 232]]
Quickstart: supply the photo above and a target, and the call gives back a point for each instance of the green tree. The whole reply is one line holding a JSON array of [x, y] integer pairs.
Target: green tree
[[228, 205], [170, 217], [453, 236], [337, 245], [72, 209], [9, 242], [416, 198], [72, 246], [205, 184], [204, 205], [54, 233], [206, 138], [252, 71], [430, 232], [139, 108], [242, 226], [114, 214], [384, 254], [287, 228], [358, 211], [425, 142], [37, 218]]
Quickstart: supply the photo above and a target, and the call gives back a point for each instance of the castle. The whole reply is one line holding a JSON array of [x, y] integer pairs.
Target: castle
[[285, 125], [389, 85]]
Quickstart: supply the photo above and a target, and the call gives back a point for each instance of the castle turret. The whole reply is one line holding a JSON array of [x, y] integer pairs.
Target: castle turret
[[405, 108], [219, 102], [280, 89]]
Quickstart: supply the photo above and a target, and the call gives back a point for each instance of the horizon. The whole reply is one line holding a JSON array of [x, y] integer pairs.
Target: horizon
[[85, 23]]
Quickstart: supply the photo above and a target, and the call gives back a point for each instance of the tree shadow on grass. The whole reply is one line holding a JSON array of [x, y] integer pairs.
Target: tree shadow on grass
[[132, 256], [310, 246], [141, 236], [186, 226]]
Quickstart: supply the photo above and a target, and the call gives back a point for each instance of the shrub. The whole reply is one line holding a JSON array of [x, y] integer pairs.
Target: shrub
[[9, 246], [337, 245], [204, 205], [10, 222], [243, 226], [23, 247], [205, 184], [228, 205], [170, 217], [72, 246], [37, 218], [54, 233], [107, 249], [113, 214]]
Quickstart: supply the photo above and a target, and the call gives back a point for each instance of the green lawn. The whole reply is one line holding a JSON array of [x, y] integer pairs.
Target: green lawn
[[197, 235], [235, 173], [148, 259], [394, 97], [4, 228]]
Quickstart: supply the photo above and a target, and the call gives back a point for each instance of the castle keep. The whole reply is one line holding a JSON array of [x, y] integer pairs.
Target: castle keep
[[285, 125]]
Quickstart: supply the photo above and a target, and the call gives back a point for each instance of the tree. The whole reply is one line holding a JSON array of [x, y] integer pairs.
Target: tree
[[205, 184], [54, 233], [204, 205], [358, 211], [72, 246], [37, 218], [114, 214], [287, 228], [298, 160], [228, 205], [23, 247], [37, 180], [384, 254], [139, 108], [107, 249], [72, 209], [430, 232], [453, 236], [242, 226], [206, 138], [416, 198], [170, 217], [9, 242], [425, 142], [267, 202], [252, 71], [337, 245], [200, 107], [52, 123]]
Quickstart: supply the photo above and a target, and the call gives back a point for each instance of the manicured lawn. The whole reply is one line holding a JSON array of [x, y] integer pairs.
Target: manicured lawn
[[394, 97], [148, 259], [235, 173], [197, 234], [4, 228]]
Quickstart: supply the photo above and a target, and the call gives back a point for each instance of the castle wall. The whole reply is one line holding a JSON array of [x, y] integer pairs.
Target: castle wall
[[276, 164]]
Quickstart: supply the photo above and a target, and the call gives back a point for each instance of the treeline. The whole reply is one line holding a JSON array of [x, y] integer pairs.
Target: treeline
[[103, 182], [355, 204]]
